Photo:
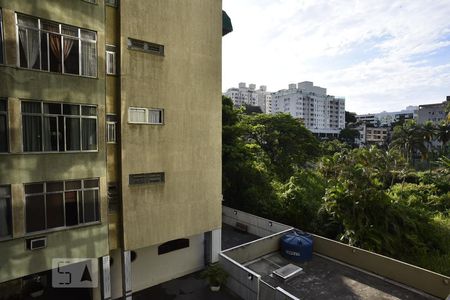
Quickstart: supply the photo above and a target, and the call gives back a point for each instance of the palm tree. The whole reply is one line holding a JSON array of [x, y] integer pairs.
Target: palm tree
[[429, 132], [443, 135], [408, 138]]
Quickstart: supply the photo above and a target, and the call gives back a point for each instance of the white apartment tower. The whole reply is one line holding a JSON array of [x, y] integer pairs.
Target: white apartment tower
[[323, 114], [244, 95]]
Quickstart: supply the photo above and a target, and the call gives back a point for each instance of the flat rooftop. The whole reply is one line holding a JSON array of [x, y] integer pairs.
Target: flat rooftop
[[322, 278]]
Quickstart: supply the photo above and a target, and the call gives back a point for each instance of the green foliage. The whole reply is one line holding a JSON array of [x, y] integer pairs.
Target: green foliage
[[349, 136], [301, 199], [215, 275], [285, 141], [424, 197], [368, 197]]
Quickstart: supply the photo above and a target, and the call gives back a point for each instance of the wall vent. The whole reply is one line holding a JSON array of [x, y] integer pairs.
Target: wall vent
[[146, 178], [37, 243], [139, 45]]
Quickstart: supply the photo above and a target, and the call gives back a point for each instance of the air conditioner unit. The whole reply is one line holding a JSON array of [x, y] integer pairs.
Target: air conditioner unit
[[37, 243]]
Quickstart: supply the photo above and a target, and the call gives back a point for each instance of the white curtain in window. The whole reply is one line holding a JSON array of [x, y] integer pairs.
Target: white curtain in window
[[29, 40], [88, 59], [138, 115], [89, 134], [154, 116]]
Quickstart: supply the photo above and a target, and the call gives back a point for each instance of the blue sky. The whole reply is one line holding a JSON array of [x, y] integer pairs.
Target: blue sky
[[378, 54]]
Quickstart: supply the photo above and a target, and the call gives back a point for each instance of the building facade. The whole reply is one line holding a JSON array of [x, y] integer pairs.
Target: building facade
[[323, 114], [386, 119], [434, 113], [104, 150], [249, 95]]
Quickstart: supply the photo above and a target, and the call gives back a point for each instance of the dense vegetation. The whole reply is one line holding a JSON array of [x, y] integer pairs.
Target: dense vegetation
[[368, 197]]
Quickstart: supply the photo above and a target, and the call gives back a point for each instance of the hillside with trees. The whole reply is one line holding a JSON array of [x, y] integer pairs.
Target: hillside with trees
[[372, 198]]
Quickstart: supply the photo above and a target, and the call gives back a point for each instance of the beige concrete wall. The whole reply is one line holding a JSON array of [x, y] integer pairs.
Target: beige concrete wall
[[186, 83], [150, 269], [18, 168], [17, 262]]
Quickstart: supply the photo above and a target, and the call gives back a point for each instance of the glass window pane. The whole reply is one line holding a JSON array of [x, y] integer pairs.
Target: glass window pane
[[70, 109], [3, 105], [44, 51], [55, 210], [88, 35], [72, 134], [3, 134], [138, 115], [89, 134], [50, 26], [52, 108], [55, 186], [35, 213], [4, 191], [1, 38], [71, 56], [34, 188], [27, 21], [73, 185], [88, 59], [90, 206], [33, 49], [31, 107], [5, 217], [80, 207], [89, 110], [50, 134], [69, 30], [71, 208], [93, 183], [61, 133], [32, 133], [55, 52]]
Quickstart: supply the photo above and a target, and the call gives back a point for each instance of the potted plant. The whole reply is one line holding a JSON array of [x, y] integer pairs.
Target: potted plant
[[215, 275]]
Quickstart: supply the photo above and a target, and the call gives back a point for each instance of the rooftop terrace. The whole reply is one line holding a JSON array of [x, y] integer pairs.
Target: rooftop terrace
[[336, 271]]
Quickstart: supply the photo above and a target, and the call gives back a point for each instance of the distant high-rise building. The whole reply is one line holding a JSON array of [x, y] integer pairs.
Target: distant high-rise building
[[244, 95], [323, 114]]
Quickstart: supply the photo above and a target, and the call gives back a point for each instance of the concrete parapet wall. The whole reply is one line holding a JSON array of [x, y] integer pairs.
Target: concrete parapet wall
[[409, 275], [256, 225], [242, 281]]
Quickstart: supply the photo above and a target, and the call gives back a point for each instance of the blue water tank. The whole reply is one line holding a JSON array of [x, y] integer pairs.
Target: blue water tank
[[297, 246]]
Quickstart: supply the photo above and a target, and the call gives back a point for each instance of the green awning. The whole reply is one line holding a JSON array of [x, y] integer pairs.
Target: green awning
[[227, 27]]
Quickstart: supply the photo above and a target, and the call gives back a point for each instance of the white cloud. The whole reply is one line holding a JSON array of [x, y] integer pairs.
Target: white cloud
[[378, 54]]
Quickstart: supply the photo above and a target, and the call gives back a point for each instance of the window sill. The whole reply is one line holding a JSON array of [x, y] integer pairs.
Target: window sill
[[53, 230], [50, 72], [139, 123], [56, 152]]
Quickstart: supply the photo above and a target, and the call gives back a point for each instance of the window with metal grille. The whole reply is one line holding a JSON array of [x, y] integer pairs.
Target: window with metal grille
[[111, 129], [4, 147], [58, 127], [59, 204], [111, 63], [5, 212], [55, 47], [139, 115], [1, 39]]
